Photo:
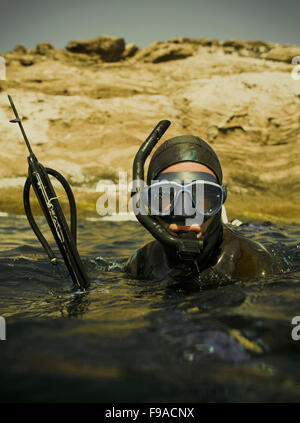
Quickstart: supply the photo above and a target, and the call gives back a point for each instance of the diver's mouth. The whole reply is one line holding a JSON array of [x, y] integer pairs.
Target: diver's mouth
[[179, 229]]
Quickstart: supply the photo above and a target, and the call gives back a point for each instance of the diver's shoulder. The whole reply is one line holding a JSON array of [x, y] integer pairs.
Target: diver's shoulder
[[231, 236], [250, 257], [136, 263]]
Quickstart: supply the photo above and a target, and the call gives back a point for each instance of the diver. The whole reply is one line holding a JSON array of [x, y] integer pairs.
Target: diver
[[182, 203]]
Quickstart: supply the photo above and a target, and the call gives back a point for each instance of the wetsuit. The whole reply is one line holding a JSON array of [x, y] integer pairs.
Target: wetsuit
[[234, 257]]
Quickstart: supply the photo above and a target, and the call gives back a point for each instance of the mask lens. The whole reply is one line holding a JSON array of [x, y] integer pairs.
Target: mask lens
[[165, 198], [212, 199], [206, 197], [161, 197]]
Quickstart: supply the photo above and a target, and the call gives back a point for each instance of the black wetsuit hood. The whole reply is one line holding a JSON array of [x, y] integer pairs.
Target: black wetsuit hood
[[181, 149]]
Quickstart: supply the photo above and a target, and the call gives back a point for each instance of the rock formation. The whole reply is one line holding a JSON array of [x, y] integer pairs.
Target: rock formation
[[163, 52], [108, 48], [88, 107]]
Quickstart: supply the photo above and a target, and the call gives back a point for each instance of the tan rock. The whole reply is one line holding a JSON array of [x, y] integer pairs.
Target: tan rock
[[130, 50], [246, 48], [257, 46], [206, 42], [19, 48], [27, 60], [44, 48], [282, 53], [109, 48], [162, 52]]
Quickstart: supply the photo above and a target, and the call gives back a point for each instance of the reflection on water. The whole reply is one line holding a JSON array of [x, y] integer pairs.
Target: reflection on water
[[130, 340]]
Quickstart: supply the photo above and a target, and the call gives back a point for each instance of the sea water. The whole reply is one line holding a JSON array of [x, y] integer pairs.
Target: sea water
[[128, 340]]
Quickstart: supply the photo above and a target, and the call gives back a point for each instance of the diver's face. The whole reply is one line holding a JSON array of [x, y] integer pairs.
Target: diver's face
[[177, 228]]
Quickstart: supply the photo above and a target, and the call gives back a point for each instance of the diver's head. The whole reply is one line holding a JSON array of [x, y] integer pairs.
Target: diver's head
[[154, 210], [194, 165]]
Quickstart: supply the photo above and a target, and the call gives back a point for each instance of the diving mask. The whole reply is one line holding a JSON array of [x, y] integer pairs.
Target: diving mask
[[177, 195]]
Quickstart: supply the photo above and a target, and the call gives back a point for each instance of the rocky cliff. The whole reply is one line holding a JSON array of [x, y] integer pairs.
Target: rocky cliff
[[87, 108]]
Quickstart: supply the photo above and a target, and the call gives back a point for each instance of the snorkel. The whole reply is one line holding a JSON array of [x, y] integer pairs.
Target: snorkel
[[184, 248]]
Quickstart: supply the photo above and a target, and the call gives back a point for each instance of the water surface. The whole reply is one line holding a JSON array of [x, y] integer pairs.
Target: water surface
[[130, 340]]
